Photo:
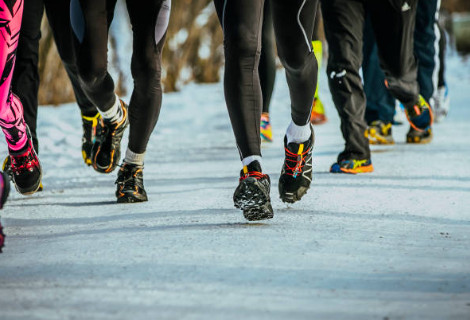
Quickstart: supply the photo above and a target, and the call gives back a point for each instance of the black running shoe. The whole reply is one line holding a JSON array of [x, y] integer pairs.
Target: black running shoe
[[26, 169], [91, 129], [252, 193], [296, 174], [6, 167], [380, 132], [130, 184], [419, 136], [106, 151]]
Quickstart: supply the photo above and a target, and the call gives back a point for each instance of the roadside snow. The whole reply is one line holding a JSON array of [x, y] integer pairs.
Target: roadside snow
[[393, 244]]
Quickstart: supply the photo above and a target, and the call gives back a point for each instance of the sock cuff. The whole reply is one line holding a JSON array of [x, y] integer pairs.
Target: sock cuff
[[113, 111], [247, 160], [298, 134], [134, 158]]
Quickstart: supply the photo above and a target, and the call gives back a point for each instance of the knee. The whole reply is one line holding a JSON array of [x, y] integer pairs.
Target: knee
[[240, 42], [297, 62], [91, 74], [146, 68]]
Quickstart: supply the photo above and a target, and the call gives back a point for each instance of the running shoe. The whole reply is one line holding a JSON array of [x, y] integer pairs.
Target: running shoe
[[91, 130], [379, 132], [106, 150], [26, 169], [352, 166], [296, 173], [6, 167], [265, 128], [130, 184], [419, 137], [252, 193], [419, 115], [441, 103], [318, 115]]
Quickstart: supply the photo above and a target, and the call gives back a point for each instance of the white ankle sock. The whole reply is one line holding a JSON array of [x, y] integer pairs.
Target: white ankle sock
[[134, 158], [114, 113], [246, 161], [297, 133]]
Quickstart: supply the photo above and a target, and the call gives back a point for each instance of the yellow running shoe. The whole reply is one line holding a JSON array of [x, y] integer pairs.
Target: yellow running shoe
[[352, 166], [379, 132]]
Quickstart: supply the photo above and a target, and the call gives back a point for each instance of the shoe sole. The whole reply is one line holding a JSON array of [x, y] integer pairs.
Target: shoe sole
[[292, 197], [131, 199], [31, 190], [365, 169], [418, 140], [254, 203]]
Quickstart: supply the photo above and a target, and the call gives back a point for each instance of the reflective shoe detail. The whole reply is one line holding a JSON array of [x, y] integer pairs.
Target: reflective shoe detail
[[318, 115], [352, 166], [26, 169], [265, 128], [4, 190], [106, 150], [441, 104], [296, 173], [419, 137], [130, 184], [91, 129], [379, 133], [420, 115], [252, 193]]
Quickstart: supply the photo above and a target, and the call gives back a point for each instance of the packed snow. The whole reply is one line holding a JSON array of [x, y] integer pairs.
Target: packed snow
[[393, 244]]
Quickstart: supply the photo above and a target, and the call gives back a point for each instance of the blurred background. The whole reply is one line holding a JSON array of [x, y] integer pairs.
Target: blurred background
[[193, 50]]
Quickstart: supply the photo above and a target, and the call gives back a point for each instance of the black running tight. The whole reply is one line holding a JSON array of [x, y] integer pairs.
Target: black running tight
[[293, 26], [149, 19]]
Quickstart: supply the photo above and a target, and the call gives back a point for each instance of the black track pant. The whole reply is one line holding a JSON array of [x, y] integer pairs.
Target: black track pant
[[25, 82], [393, 25], [149, 18], [293, 26], [380, 103]]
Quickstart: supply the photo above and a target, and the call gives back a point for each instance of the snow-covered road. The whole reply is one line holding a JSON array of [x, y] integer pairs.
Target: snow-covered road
[[394, 244]]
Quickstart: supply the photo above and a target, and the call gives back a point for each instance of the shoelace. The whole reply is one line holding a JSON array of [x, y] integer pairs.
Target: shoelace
[[129, 177], [254, 174], [23, 162], [297, 159]]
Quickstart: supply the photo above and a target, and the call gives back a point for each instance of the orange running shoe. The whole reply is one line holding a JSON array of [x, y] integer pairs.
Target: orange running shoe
[[318, 112]]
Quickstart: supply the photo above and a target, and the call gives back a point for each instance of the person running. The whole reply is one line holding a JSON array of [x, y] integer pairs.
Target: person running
[[267, 71], [91, 20], [380, 107], [241, 21], [393, 24], [25, 83], [25, 166]]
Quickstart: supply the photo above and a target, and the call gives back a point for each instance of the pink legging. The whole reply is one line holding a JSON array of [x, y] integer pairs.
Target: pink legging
[[11, 109]]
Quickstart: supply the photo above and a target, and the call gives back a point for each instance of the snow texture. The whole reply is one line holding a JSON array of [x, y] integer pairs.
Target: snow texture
[[393, 244]]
